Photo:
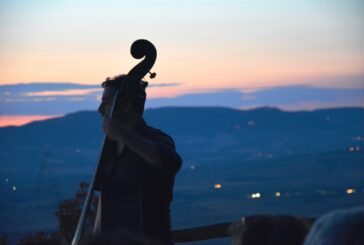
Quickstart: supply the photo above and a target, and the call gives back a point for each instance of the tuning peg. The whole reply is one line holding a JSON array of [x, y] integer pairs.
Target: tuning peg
[[152, 75]]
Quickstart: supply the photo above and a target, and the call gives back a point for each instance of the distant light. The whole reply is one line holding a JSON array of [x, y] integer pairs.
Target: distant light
[[354, 148], [192, 167], [277, 194], [350, 191], [14, 188], [6, 180], [77, 150], [270, 156], [328, 118], [251, 123], [237, 127], [218, 186], [255, 195]]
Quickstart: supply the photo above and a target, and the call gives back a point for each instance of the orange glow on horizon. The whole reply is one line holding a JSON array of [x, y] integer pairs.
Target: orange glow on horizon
[[205, 70], [23, 119]]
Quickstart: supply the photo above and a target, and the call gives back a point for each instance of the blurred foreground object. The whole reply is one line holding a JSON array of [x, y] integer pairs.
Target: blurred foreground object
[[340, 227]]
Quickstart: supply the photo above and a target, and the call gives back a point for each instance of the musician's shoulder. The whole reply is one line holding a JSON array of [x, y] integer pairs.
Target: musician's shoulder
[[158, 134]]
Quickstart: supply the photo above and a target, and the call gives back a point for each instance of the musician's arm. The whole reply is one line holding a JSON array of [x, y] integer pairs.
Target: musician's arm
[[159, 152], [143, 147]]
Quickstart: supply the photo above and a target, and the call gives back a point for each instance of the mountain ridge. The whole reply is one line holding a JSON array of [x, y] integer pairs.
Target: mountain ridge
[[301, 154]]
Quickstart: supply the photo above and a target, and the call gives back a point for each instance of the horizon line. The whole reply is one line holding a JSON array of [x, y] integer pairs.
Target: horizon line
[[25, 119]]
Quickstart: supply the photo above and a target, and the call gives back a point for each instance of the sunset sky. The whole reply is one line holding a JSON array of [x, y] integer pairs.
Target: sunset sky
[[202, 46]]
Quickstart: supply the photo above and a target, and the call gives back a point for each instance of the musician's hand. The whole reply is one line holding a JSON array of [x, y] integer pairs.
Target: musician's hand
[[119, 132], [113, 129]]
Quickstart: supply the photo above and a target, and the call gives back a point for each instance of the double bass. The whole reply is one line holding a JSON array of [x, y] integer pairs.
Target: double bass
[[139, 49]]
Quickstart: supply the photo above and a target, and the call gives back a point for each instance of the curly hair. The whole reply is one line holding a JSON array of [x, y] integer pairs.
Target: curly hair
[[134, 93]]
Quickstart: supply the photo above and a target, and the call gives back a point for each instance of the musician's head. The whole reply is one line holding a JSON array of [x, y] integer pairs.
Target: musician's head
[[132, 100]]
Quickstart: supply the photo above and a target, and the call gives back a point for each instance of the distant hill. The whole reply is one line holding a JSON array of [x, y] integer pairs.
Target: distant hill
[[200, 128], [310, 157]]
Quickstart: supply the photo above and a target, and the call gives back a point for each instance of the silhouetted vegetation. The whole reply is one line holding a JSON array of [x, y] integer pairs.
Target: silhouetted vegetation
[[3, 240], [41, 238], [68, 213]]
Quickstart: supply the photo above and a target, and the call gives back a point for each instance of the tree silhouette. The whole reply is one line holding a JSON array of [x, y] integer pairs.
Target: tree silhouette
[[68, 214], [3, 240], [41, 238]]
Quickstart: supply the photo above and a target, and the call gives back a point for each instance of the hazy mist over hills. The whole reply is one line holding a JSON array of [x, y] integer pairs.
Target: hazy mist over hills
[[310, 158]]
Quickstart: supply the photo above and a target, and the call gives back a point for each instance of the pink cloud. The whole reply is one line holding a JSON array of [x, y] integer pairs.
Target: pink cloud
[[7, 120]]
